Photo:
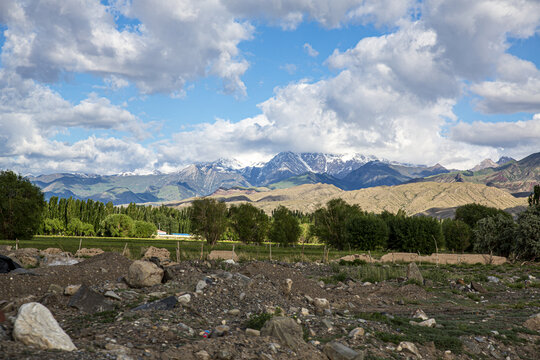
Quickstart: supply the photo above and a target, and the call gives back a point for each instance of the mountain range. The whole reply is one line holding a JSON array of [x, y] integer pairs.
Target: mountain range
[[284, 170]]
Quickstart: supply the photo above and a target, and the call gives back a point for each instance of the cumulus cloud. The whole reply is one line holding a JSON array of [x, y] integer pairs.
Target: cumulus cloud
[[516, 89], [520, 138]]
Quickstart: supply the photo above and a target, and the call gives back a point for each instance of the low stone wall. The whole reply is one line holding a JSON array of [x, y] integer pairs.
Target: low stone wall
[[433, 258]]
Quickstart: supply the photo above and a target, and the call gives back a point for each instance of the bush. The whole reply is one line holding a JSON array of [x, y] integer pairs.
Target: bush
[[366, 232], [77, 228], [285, 228], [457, 235], [143, 229], [471, 213], [495, 235], [423, 234], [52, 227]]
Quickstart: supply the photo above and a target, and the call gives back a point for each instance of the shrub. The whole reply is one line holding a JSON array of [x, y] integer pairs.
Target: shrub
[[471, 213], [117, 225], [528, 234]]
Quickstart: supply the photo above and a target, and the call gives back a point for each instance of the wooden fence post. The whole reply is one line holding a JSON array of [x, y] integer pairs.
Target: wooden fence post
[[178, 251]]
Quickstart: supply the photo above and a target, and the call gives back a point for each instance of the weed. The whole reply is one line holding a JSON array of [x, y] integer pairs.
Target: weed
[[257, 321], [388, 337]]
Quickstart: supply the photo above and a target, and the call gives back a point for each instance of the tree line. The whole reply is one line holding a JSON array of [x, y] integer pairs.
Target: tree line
[[475, 228]]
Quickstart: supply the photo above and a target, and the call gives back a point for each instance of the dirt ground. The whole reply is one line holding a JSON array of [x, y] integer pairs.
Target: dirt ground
[[471, 324]]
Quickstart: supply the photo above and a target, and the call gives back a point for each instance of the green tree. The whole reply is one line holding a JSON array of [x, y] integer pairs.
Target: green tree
[[495, 235], [208, 219], [52, 227], [534, 198], [21, 207], [528, 234], [250, 223], [116, 225], [367, 232], [143, 229], [457, 235], [75, 227], [285, 228], [329, 223], [471, 213], [422, 234]]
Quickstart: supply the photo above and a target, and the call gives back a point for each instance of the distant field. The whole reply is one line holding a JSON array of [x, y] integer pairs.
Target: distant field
[[190, 249]]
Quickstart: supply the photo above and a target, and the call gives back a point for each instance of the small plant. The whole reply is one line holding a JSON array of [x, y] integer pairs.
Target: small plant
[[257, 321]]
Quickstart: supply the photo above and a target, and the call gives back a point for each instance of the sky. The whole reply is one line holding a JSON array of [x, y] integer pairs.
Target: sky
[[137, 86]]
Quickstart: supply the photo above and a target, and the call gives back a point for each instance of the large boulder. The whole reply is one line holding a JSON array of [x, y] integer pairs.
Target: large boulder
[[285, 329], [7, 264], [144, 273], [35, 326], [413, 273], [533, 322]]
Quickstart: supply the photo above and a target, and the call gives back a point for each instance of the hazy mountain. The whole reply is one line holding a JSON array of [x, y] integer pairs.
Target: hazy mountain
[[378, 173], [284, 170], [486, 163], [517, 177]]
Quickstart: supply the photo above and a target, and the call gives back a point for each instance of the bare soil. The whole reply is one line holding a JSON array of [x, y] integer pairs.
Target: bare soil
[[470, 325]]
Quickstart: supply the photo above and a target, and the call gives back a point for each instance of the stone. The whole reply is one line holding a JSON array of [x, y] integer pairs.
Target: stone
[[493, 279], [143, 274], [84, 252], [242, 296], [59, 260], [162, 254], [111, 294], [89, 301], [202, 355], [413, 273], [420, 314], [287, 286], [321, 304], [428, 323], [167, 303], [35, 326], [533, 322], [329, 324], [304, 312], [288, 331], [357, 333], [337, 351], [184, 299], [201, 284], [409, 347], [220, 330], [252, 332], [478, 287], [230, 262], [7, 264], [71, 289], [234, 312]]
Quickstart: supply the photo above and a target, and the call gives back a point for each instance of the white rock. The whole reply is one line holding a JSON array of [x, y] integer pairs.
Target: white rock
[[201, 284], [71, 289], [357, 333], [111, 294], [304, 312], [420, 314], [184, 299], [287, 286], [36, 326], [252, 332], [428, 323], [321, 303], [230, 262], [410, 347], [144, 273]]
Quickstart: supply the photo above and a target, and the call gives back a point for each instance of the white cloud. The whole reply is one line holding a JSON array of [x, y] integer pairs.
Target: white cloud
[[310, 50], [518, 138], [290, 68], [517, 88]]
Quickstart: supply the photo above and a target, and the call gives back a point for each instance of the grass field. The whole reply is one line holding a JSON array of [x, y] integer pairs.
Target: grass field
[[189, 249]]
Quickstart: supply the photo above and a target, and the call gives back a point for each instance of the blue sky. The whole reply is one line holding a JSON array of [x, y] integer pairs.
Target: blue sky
[[138, 86]]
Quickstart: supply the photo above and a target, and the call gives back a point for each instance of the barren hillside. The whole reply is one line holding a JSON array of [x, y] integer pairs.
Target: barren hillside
[[413, 198]]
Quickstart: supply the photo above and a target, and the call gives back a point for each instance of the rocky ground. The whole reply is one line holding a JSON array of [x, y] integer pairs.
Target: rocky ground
[[271, 310]]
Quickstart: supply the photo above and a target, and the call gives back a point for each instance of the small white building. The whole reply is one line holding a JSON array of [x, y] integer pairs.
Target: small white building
[[161, 232]]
